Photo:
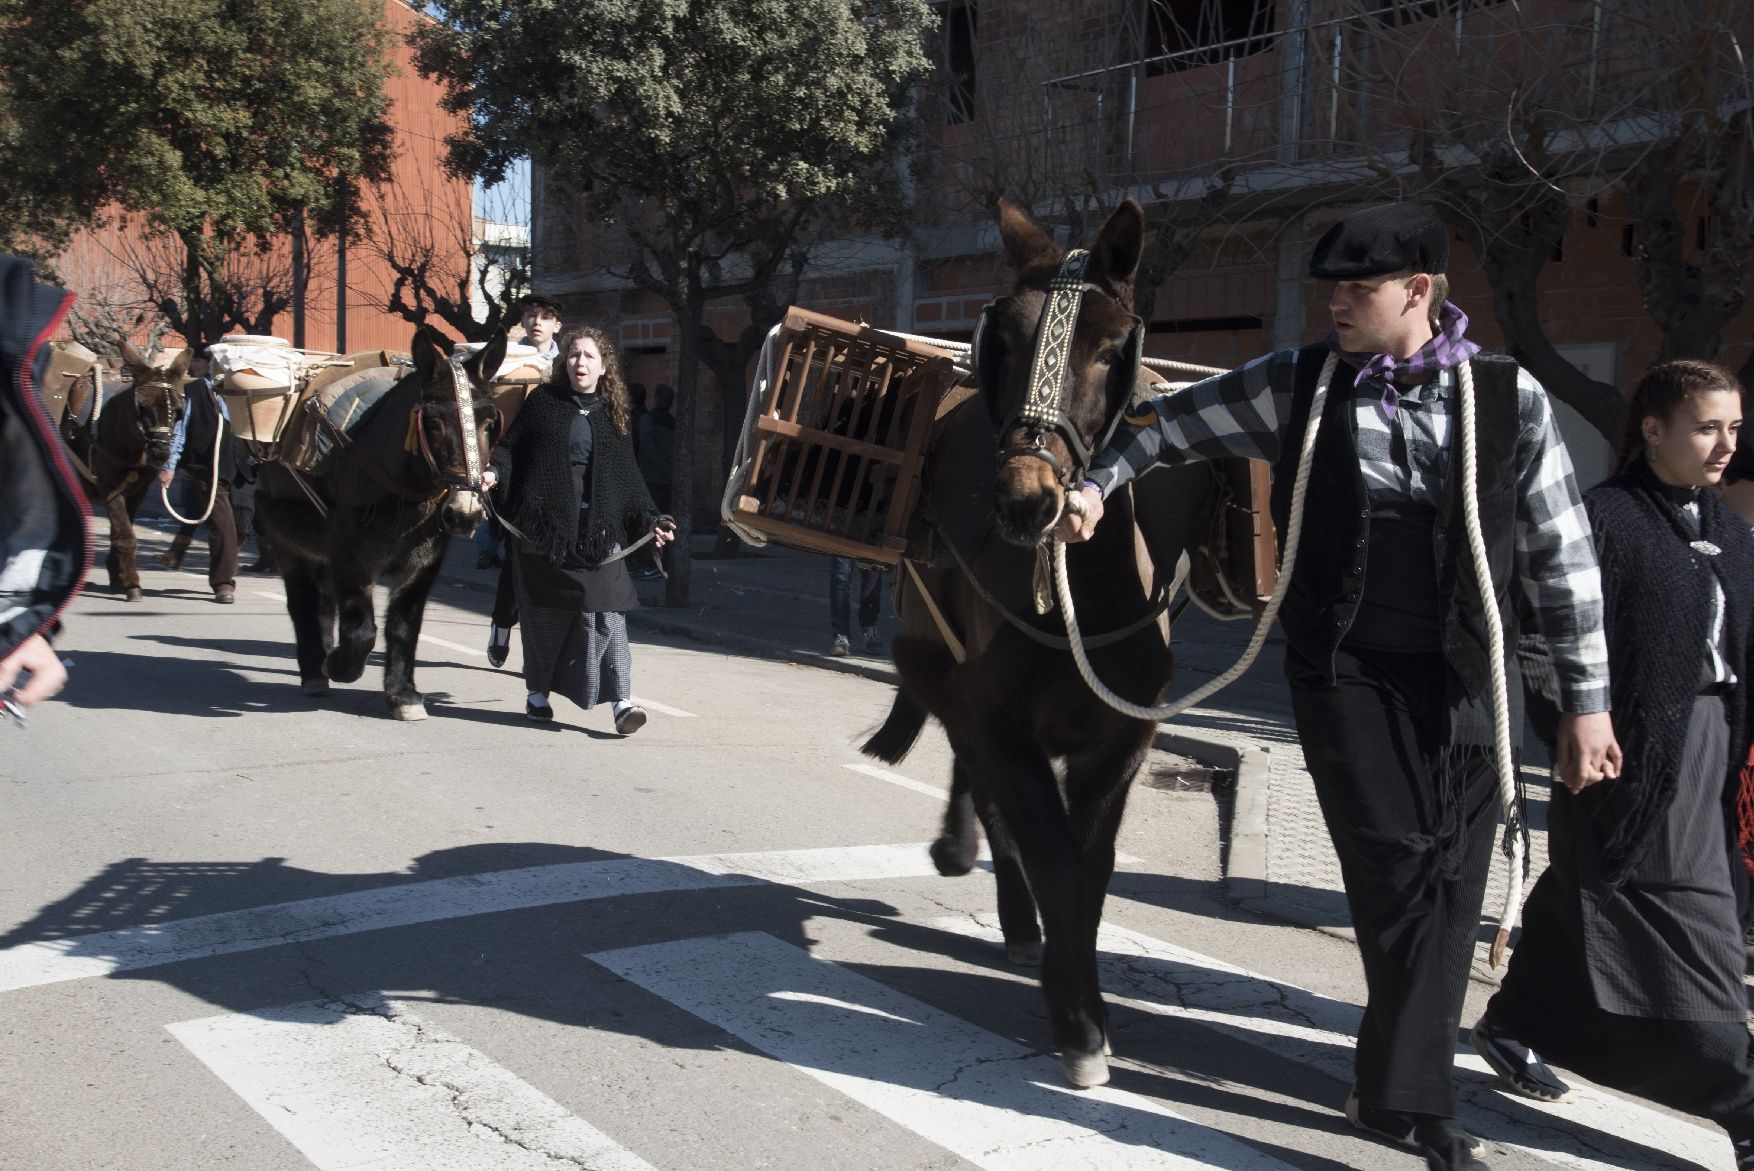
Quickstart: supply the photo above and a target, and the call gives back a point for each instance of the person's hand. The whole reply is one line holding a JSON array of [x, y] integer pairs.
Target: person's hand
[[1586, 750], [165, 476], [1083, 510], [663, 533], [47, 675], [488, 479]]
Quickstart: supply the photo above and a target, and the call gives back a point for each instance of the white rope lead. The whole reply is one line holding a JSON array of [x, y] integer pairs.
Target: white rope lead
[[1507, 920], [164, 490], [1513, 902], [1288, 562]]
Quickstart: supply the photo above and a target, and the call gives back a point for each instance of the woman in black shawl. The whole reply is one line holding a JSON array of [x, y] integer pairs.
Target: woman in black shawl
[[1629, 969], [567, 482]]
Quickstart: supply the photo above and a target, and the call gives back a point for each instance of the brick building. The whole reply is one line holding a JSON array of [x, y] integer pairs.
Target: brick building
[[1297, 109]]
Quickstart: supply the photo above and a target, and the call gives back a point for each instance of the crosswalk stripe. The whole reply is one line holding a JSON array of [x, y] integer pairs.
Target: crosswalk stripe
[[28, 965], [369, 1084], [883, 774], [454, 646], [664, 709], [1157, 977], [274, 595], [991, 1101]]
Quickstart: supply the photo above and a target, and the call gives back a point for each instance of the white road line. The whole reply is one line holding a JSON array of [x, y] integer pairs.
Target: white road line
[[991, 1101], [28, 965], [273, 594], [883, 774], [455, 646], [369, 1085], [1158, 977], [664, 709]]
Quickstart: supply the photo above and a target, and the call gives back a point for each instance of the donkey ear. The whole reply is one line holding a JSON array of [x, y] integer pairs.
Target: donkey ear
[[1115, 258], [180, 364], [485, 362], [132, 355], [428, 357], [1027, 244]]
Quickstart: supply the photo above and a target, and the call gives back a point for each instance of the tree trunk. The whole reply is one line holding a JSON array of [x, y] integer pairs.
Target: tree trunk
[[691, 323]]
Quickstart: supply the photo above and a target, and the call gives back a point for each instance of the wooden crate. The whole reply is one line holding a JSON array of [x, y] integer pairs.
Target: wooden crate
[[837, 443]]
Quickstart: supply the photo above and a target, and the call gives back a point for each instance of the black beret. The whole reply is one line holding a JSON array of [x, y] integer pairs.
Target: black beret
[[537, 301], [1396, 237]]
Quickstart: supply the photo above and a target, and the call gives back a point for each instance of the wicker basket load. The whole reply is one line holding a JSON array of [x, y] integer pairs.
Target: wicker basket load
[[835, 437]]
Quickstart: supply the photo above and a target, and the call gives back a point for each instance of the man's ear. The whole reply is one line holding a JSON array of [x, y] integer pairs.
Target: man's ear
[[1419, 289]]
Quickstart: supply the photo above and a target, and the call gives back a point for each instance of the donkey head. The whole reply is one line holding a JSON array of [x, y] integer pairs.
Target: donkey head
[[1051, 429], [455, 409], [157, 398]]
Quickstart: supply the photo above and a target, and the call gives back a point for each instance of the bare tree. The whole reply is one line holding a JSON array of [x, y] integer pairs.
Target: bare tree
[[451, 262]]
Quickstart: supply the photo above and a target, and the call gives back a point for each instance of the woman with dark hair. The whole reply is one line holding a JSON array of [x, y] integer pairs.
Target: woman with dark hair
[[567, 482], [1629, 969]]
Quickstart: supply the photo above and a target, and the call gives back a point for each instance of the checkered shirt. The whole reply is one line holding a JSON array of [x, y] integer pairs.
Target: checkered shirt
[[1245, 413]]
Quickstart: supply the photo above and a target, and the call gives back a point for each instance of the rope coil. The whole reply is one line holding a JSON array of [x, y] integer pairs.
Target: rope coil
[[164, 490]]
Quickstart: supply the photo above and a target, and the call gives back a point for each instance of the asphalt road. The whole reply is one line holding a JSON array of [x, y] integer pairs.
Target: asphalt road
[[244, 929]]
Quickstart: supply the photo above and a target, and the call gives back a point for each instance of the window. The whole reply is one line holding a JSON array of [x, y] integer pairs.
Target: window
[[1184, 34], [957, 36]]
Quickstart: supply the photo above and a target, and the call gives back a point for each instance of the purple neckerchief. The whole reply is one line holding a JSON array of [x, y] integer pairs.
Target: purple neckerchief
[[1447, 349]]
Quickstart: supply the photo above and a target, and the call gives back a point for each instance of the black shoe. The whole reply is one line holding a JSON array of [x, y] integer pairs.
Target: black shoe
[[1447, 1147], [488, 561], [630, 720], [497, 650], [1397, 1127], [541, 713], [1520, 1070]]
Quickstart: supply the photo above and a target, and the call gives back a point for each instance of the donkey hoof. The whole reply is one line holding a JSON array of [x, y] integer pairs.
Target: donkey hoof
[[1084, 1070], [407, 711], [343, 672], [1024, 955], [136, 594], [950, 859], [315, 688]]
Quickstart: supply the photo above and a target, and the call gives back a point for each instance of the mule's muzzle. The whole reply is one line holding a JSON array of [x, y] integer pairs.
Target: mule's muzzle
[[1027, 499], [461, 512]]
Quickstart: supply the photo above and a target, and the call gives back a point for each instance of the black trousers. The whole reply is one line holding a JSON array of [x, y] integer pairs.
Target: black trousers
[[1413, 823], [505, 591]]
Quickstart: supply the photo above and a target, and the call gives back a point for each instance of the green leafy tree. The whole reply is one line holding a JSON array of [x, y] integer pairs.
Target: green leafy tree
[[223, 123], [713, 135]]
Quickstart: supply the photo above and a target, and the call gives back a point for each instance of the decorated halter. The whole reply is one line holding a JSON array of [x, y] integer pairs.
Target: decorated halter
[[1043, 409], [161, 382], [469, 479]]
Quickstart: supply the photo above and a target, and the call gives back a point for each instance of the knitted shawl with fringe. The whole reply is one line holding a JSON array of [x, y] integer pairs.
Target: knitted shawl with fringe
[[1657, 588], [539, 496]]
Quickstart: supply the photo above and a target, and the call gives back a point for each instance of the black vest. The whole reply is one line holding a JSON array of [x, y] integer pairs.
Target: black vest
[[1326, 585], [205, 422]]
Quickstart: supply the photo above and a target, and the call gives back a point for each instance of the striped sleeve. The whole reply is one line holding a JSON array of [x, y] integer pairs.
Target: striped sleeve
[[1241, 413], [1556, 558]]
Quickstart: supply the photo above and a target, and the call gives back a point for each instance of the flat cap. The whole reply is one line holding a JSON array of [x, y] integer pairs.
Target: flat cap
[[1396, 237]]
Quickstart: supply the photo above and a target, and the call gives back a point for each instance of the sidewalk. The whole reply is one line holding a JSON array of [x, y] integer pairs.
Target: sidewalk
[[773, 603]]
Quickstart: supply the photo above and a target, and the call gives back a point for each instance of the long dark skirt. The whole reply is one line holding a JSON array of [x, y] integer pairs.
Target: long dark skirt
[[1641, 988], [570, 651]]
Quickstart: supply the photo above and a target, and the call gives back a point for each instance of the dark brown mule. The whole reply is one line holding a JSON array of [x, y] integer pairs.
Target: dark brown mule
[[122, 453], [400, 489], [1017, 706]]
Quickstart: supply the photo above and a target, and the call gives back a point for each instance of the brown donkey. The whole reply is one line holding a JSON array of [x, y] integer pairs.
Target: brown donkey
[[1007, 693]]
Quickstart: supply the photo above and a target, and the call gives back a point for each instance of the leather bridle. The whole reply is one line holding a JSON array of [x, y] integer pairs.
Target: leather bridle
[[1042, 411]]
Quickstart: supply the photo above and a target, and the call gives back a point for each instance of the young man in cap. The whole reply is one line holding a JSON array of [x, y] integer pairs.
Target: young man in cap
[[542, 326], [1386, 644]]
